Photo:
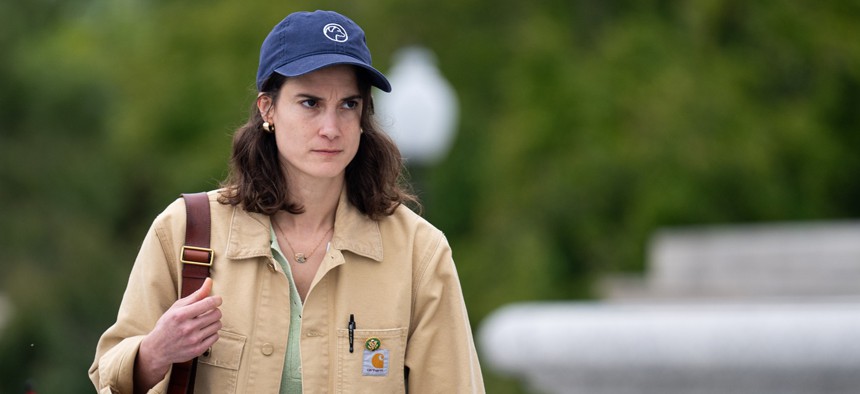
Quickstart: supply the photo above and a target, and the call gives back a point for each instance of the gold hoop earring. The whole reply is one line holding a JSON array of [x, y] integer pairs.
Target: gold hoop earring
[[268, 127]]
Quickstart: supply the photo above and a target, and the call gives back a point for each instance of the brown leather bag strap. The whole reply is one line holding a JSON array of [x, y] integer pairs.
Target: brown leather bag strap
[[196, 257], [196, 254]]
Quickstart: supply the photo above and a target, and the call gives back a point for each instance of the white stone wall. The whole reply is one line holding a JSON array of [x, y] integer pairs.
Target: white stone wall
[[732, 309]]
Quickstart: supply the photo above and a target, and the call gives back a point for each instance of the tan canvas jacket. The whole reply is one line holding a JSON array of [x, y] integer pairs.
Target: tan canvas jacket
[[395, 275]]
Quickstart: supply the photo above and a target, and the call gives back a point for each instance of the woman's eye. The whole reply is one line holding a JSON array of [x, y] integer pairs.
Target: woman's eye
[[350, 104], [310, 103]]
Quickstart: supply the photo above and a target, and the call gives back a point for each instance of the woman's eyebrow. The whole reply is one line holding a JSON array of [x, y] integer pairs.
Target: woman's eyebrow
[[315, 98], [308, 96]]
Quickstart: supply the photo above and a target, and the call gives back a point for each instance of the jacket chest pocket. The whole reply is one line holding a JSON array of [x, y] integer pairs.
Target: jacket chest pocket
[[218, 368], [375, 364]]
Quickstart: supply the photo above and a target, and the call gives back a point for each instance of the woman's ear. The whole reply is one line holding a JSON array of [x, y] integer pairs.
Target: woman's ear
[[264, 105]]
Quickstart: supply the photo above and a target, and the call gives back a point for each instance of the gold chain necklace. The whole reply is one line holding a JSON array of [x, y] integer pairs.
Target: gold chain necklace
[[301, 258]]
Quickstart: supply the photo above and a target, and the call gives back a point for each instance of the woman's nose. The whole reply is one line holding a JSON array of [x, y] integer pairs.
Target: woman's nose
[[331, 124]]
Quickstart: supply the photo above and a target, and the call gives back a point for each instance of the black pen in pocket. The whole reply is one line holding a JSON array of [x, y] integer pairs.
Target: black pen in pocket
[[351, 328]]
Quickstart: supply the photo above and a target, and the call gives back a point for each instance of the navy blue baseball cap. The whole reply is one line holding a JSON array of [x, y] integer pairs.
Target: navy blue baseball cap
[[308, 41]]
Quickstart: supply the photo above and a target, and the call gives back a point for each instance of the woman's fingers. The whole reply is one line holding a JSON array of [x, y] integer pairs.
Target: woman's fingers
[[200, 307], [190, 326]]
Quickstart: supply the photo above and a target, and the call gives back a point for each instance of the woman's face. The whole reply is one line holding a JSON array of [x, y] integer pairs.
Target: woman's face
[[317, 123]]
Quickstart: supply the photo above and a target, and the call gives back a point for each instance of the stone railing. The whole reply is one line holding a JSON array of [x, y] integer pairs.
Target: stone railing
[[745, 309]]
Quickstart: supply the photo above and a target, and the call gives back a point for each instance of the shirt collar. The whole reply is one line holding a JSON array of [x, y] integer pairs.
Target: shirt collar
[[250, 233]]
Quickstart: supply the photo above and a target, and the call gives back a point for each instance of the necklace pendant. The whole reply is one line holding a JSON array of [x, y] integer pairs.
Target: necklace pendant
[[300, 258]]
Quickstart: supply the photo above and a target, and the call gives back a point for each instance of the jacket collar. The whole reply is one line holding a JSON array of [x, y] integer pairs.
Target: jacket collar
[[250, 233], [355, 232]]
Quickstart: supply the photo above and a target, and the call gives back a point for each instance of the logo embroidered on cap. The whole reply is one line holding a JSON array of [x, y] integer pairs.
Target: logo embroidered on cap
[[375, 363], [335, 32]]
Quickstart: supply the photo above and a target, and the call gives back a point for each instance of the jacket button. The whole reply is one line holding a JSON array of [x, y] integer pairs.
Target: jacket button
[[267, 349]]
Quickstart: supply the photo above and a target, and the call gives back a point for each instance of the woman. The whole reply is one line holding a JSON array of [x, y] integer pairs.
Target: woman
[[322, 280]]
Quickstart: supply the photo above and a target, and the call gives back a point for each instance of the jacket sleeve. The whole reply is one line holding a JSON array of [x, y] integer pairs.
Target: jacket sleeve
[[151, 290], [440, 352]]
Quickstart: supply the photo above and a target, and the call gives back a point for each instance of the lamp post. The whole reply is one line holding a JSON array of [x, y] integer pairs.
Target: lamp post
[[421, 111]]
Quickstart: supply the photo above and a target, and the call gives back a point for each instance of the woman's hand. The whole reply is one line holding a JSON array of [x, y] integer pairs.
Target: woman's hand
[[183, 332]]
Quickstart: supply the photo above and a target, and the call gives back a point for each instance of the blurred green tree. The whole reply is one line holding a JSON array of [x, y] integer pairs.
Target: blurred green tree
[[585, 126]]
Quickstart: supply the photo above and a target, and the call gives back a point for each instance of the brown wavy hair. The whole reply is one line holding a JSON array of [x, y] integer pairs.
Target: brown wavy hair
[[375, 178]]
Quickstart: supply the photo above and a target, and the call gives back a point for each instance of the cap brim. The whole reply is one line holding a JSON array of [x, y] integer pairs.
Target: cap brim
[[315, 62]]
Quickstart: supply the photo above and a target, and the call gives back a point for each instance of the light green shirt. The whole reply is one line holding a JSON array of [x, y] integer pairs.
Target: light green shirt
[[291, 379]]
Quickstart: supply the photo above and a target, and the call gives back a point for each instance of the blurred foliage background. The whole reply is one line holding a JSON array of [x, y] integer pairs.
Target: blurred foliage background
[[585, 126]]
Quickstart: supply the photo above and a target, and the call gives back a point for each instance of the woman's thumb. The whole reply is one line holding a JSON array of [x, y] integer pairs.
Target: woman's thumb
[[202, 292]]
